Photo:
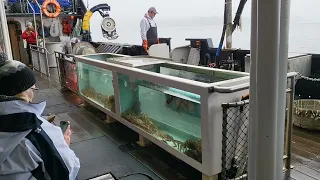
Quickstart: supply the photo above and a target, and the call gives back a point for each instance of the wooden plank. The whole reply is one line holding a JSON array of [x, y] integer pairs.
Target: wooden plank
[[113, 131], [308, 142], [311, 135], [58, 109], [306, 147], [308, 162], [300, 176], [75, 128], [305, 170], [85, 124]]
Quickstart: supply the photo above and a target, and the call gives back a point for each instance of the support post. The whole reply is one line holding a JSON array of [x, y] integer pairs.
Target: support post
[[215, 177], [229, 24], [264, 147], [42, 27], [5, 32], [253, 126], [143, 141], [109, 119], [289, 125], [282, 84]]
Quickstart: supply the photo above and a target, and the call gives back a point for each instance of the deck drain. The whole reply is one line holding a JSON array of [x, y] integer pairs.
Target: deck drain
[[103, 177]]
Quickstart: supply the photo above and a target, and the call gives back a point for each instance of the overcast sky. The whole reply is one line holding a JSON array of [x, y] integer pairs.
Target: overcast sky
[[307, 9], [180, 19]]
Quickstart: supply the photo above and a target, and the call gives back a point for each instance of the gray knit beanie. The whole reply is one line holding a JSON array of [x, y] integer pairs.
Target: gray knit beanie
[[15, 77]]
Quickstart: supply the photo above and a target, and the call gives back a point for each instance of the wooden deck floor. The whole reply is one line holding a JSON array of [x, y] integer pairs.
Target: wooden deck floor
[[86, 126], [306, 155]]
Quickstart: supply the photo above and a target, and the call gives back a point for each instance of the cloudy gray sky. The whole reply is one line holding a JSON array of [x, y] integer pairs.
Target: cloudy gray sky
[[187, 8], [180, 19]]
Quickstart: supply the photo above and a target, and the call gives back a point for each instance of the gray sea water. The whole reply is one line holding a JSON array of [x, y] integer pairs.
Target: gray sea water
[[304, 35]]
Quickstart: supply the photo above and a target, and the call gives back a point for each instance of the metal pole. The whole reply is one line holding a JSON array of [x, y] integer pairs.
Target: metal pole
[[229, 24], [21, 5], [5, 32], [290, 123], [282, 82], [34, 20], [267, 90], [253, 126], [41, 19]]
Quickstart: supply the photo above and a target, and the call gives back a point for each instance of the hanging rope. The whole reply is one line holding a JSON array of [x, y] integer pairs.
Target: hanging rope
[[308, 78]]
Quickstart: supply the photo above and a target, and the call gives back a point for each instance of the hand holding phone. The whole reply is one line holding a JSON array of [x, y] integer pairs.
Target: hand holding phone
[[64, 125]]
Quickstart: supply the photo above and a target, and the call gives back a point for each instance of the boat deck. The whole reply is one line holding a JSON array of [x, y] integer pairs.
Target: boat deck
[[110, 148]]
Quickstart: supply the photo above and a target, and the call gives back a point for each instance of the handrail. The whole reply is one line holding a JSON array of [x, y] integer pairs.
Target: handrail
[[34, 20], [41, 19], [25, 10], [21, 6], [4, 29], [242, 86]]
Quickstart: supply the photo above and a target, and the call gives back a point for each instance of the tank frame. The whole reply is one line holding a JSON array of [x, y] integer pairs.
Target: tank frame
[[212, 96]]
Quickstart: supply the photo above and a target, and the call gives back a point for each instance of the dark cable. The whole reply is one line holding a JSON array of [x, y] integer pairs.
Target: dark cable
[[143, 174]]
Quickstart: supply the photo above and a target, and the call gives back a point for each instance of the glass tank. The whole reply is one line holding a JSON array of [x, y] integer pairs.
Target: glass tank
[[96, 84], [191, 73], [71, 79], [169, 114], [103, 57]]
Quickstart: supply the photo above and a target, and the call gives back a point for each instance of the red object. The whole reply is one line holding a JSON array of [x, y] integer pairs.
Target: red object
[[69, 75], [145, 45], [66, 26], [30, 36], [212, 65]]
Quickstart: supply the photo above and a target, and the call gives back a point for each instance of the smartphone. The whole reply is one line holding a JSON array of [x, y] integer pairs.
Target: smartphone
[[64, 125]]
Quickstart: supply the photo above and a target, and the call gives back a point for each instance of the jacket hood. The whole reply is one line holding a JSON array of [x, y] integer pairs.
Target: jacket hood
[[17, 119]]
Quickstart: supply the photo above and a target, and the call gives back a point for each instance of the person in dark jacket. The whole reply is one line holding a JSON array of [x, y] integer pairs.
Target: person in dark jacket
[[30, 35], [149, 29], [30, 147]]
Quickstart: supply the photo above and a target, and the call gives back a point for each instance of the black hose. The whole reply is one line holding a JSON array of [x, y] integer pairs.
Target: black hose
[[236, 20], [105, 7], [223, 31]]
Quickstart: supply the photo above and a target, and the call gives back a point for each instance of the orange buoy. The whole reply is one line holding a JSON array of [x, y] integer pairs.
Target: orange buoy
[[45, 9]]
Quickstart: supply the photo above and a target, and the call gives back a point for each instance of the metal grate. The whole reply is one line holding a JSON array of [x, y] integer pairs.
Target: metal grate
[[39, 58], [109, 48], [235, 140]]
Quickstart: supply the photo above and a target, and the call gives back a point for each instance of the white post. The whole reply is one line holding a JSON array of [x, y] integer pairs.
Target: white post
[[229, 24], [5, 31], [282, 83], [253, 83], [265, 143]]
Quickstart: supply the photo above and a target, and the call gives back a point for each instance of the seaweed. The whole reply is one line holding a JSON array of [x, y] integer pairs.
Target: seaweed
[[106, 101], [191, 147]]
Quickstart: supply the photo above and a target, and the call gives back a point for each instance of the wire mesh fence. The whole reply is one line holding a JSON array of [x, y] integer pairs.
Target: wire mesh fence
[[235, 140]]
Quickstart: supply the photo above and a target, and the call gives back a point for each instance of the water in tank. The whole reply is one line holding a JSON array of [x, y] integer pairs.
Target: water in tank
[[169, 114], [191, 73], [96, 84]]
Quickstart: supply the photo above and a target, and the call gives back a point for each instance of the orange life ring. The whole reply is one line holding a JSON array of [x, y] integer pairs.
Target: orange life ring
[[45, 10]]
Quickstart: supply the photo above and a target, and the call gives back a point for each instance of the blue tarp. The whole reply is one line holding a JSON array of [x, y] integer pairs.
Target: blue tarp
[[63, 4]]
